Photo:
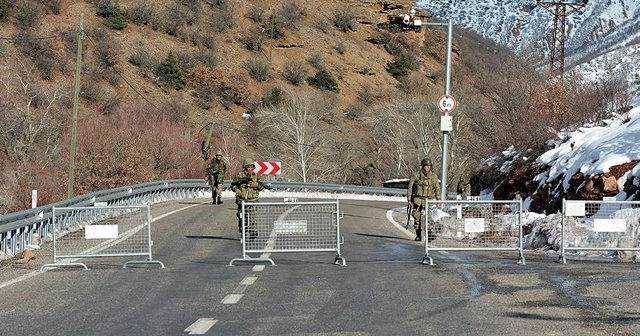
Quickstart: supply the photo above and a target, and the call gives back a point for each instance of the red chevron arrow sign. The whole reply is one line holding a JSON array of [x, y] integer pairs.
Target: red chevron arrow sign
[[268, 168]]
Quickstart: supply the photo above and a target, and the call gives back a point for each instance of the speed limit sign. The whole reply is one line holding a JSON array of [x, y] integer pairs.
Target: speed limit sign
[[447, 104]]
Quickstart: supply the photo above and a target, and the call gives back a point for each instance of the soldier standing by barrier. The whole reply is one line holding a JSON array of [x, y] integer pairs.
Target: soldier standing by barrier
[[247, 185], [463, 188], [216, 172], [423, 185]]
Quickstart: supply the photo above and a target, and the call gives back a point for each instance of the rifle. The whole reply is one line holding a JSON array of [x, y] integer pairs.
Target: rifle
[[244, 180], [247, 179], [407, 223]]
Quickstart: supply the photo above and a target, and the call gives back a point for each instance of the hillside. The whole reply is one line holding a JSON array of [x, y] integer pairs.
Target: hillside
[[603, 38]]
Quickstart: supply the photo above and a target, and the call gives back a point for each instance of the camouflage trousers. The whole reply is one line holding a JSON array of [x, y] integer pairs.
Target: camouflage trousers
[[418, 206], [250, 213], [216, 189]]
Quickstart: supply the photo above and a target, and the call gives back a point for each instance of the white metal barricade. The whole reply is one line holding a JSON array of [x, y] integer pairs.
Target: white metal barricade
[[600, 225], [290, 227], [472, 226], [101, 231]]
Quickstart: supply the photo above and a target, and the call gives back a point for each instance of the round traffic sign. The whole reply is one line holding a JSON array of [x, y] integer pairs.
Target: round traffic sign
[[447, 104]]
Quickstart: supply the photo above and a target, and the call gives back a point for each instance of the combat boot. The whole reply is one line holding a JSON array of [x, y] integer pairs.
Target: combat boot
[[418, 235]]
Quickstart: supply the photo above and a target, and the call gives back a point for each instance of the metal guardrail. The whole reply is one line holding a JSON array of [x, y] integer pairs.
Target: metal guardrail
[[19, 229]]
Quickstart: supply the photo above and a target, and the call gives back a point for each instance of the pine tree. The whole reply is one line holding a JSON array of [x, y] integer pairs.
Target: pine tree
[[170, 73]]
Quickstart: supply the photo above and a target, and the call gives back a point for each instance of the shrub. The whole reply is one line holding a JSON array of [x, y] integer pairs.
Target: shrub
[[316, 61], [169, 73], [141, 57], [26, 13], [323, 24], [400, 66], [256, 14], [275, 97], [107, 49], [55, 6], [253, 39], [258, 69], [4, 9], [222, 18], [345, 20], [42, 55], [229, 89], [204, 39], [294, 72], [341, 48], [195, 8], [110, 11], [291, 13], [366, 96], [324, 80], [142, 13]]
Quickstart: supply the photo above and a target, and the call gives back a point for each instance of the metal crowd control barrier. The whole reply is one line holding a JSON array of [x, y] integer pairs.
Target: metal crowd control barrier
[[290, 227], [472, 226], [101, 231], [600, 226]]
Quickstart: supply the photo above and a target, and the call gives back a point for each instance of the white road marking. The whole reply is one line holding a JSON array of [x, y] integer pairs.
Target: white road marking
[[232, 298], [201, 326], [248, 281], [34, 273], [396, 224], [258, 268]]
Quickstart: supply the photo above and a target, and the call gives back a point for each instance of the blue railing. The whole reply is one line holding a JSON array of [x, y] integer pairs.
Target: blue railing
[[19, 229]]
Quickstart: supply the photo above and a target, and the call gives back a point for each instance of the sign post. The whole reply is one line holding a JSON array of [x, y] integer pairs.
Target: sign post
[[447, 103]]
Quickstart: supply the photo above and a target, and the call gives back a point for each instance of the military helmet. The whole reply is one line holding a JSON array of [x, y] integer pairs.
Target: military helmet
[[247, 162], [426, 162], [218, 152]]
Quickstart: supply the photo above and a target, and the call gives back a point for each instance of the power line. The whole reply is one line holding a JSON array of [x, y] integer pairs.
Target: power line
[[126, 81]]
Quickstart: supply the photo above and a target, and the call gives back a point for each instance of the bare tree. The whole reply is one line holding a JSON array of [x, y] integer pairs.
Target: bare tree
[[408, 127], [296, 132], [28, 124]]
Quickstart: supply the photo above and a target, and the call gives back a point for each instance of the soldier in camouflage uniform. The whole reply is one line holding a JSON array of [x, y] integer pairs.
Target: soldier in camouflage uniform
[[216, 172], [247, 185], [423, 185], [463, 188]]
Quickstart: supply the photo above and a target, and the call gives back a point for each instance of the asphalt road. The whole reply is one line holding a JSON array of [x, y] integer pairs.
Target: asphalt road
[[383, 290]]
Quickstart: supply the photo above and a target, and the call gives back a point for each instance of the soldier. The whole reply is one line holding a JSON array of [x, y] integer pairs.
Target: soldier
[[216, 172], [423, 185], [247, 185], [463, 188]]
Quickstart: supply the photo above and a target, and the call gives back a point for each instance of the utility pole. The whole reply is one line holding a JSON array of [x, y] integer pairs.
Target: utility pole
[[560, 11], [447, 92], [74, 119]]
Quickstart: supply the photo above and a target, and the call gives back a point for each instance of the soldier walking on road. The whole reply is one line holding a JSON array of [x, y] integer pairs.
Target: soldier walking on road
[[247, 185], [216, 172], [422, 186]]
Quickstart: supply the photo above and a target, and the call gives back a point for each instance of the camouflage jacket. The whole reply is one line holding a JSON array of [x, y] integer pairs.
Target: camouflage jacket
[[424, 185], [247, 187], [216, 171]]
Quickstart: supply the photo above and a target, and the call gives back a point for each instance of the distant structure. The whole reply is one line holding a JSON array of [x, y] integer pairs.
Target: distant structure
[[396, 22], [560, 11]]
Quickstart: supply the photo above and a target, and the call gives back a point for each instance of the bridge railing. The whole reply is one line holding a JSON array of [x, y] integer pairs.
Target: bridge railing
[[20, 229]]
